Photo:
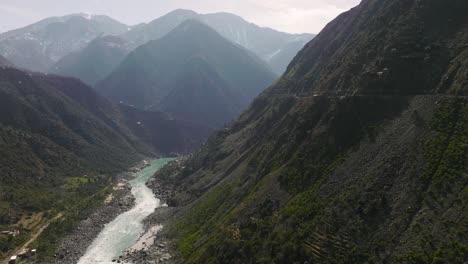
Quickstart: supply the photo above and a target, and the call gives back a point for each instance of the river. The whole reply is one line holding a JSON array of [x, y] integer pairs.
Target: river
[[125, 229]]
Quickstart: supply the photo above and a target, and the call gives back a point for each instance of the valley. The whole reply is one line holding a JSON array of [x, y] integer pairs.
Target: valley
[[345, 147]]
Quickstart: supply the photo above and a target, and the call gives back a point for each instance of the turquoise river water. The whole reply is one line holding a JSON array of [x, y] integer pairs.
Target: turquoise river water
[[124, 231]]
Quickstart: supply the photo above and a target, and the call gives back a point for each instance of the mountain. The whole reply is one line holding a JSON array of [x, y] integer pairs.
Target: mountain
[[158, 28], [201, 95], [276, 48], [4, 62], [168, 68], [38, 46], [280, 60], [95, 62], [54, 130], [356, 155]]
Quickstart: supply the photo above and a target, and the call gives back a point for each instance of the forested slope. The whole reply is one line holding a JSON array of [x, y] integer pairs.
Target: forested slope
[[358, 154]]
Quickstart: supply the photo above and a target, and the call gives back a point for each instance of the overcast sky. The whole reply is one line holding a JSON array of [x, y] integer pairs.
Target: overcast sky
[[295, 16]]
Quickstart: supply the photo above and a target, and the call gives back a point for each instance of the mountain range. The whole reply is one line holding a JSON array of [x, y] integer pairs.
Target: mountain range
[[276, 48], [40, 46], [356, 155], [95, 62], [191, 72]]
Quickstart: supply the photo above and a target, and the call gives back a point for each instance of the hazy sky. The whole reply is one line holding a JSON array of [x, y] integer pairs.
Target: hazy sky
[[295, 16]]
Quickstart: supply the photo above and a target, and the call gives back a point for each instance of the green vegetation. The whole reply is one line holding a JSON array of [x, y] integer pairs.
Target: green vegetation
[[451, 253], [445, 175], [54, 153], [204, 213], [60, 143], [446, 152], [325, 227], [366, 165], [79, 204]]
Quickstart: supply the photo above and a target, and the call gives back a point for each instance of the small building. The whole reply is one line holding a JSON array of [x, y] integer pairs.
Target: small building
[[23, 254], [12, 260], [15, 233]]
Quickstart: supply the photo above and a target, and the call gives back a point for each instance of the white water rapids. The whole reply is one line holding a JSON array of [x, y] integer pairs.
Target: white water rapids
[[124, 231]]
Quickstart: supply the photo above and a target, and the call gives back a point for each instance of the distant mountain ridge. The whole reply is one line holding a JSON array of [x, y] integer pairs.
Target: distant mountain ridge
[[268, 44], [96, 61], [154, 70], [276, 48], [38, 46]]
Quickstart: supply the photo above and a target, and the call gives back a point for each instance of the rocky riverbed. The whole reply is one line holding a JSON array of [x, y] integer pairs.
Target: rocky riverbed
[[159, 250], [73, 246]]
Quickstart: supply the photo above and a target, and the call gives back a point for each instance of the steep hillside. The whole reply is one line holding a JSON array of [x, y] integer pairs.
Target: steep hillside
[[38, 46], [95, 62], [165, 68], [54, 128], [200, 95], [357, 155], [276, 48]]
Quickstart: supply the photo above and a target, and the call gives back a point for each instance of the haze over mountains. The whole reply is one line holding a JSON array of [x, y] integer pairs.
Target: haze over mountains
[[191, 64], [96, 61], [60, 128], [4, 62], [40, 46], [268, 44], [356, 154], [125, 64]]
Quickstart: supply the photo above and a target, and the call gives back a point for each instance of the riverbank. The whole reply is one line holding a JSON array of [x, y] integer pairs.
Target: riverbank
[[159, 249], [127, 229], [72, 247]]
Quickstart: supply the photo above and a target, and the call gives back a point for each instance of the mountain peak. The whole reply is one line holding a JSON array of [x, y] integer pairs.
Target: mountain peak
[[39, 46], [181, 11], [192, 60], [88, 16], [229, 17], [198, 32], [194, 25]]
